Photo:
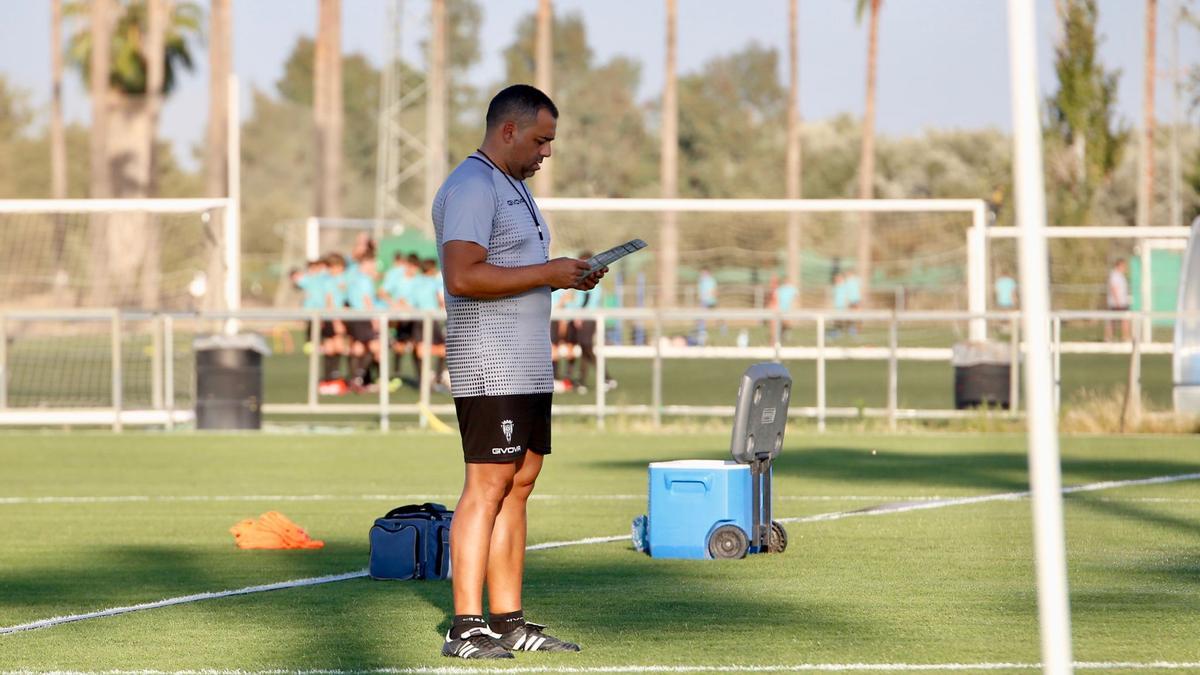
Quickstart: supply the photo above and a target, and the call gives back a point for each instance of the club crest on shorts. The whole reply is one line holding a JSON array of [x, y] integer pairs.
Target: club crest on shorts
[[507, 427]]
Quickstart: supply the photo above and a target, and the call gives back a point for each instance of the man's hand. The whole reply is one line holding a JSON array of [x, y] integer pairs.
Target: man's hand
[[589, 282], [566, 273]]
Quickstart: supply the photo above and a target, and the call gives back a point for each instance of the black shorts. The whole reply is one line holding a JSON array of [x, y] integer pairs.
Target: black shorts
[[558, 331], [500, 429], [404, 330], [327, 330], [583, 335], [362, 331]]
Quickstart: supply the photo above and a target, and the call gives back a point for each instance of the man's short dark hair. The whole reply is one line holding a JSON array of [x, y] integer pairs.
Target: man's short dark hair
[[519, 102]]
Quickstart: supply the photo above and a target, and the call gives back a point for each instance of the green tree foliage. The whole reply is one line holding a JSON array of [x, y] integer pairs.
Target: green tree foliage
[[732, 126], [1085, 140], [602, 148], [128, 74]]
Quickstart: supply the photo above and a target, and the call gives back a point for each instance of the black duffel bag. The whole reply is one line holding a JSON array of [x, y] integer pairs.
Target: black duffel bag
[[411, 542]]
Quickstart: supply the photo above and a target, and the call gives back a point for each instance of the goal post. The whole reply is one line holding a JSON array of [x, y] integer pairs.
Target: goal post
[[150, 254]]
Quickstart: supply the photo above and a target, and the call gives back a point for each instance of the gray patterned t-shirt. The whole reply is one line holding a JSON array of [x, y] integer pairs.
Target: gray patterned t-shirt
[[502, 346]]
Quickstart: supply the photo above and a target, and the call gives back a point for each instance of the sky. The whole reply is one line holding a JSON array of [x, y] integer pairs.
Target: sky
[[943, 64]]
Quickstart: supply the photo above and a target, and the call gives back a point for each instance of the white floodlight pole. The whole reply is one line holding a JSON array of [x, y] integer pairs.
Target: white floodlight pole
[[233, 216], [1045, 473]]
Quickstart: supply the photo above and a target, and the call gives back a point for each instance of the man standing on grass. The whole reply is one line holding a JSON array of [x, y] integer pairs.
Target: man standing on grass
[[495, 252]]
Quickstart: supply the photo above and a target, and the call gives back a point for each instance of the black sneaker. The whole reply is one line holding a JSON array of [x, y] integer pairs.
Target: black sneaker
[[531, 638], [476, 643]]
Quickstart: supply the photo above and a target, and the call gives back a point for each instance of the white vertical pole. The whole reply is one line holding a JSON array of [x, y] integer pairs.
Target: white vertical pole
[[233, 217], [656, 371], [156, 363], [118, 373], [169, 369], [821, 373], [314, 339], [1045, 473], [312, 238], [3, 363], [977, 274], [1144, 324], [1014, 363], [426, 373], [601, 374], [385, 362], [893, 373]]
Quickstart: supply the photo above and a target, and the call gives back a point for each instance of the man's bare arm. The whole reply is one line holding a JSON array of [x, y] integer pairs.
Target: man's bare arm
[[468, 275]]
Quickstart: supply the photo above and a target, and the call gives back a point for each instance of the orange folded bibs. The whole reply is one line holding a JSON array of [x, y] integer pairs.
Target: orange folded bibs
[[272, 530]]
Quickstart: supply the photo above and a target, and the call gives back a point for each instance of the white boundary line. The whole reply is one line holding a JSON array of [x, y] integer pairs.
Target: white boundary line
[[821, 517], [781, 668]]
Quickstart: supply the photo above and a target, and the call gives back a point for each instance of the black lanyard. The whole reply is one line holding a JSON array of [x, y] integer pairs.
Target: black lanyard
[[524, 195]]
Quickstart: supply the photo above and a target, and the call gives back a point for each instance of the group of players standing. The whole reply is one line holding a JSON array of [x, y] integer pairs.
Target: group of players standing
[[410, 283], [573, 340]]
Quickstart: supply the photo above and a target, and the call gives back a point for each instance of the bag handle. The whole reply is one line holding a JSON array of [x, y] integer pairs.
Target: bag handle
[[410, 509]]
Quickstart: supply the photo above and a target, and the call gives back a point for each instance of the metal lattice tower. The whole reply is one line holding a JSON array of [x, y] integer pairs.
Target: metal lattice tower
[[402, 154]]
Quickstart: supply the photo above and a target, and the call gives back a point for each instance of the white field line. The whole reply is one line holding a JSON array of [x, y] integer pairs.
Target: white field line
[[780, 668], [295, 583], [902, 507], [312, 581]]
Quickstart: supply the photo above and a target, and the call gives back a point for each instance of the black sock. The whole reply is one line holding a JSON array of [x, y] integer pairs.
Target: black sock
[[464, 622], [503, 623]]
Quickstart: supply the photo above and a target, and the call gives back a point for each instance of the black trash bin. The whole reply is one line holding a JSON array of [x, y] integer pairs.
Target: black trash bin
[[229, 381], [982, 372]]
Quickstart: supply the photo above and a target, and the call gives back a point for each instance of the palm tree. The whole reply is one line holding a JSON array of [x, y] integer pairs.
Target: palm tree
[[866, 164], [793, 142], [100, 35], [1145, 194], [668, 168], [130, 59], [216, 159], [544, 79], [327, 108], [220, 58], [58, 141]]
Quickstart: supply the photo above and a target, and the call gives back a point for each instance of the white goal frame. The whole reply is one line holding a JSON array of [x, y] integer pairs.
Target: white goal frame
[[231, 255], [976, 208]]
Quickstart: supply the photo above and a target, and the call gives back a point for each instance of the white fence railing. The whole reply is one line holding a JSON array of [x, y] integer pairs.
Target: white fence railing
[[159, 360]]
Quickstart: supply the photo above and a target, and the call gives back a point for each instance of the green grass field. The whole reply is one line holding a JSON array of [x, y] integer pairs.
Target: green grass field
[[936, 586]]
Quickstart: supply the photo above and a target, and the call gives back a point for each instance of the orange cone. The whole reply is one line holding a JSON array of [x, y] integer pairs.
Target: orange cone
[[272, 530]]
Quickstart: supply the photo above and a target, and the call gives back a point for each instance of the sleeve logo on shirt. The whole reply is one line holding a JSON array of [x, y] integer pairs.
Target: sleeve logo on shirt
[[507, 427], [518, 200]]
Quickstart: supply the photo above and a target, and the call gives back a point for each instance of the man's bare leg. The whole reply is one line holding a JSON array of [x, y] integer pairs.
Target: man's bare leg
[[484, 491], [506, 559]]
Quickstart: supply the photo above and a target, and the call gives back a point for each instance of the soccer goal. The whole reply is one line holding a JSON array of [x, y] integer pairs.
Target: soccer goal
[[917, 257], [143, 254], [83, 286]]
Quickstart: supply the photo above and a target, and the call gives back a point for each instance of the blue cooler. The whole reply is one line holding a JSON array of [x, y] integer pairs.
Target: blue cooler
[[690, 499]]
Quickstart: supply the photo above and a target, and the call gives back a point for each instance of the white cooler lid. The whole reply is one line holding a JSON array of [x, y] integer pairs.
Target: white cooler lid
[[711, 464]]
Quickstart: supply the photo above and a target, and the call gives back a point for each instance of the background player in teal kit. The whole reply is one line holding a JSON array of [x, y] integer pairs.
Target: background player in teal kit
[[363, 333]]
